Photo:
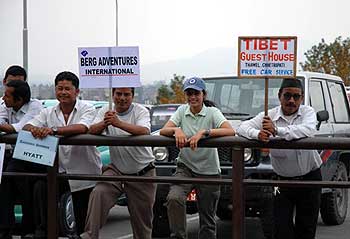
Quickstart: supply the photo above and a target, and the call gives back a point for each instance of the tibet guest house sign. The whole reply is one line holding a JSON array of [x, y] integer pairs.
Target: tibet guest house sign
[[267, 57]]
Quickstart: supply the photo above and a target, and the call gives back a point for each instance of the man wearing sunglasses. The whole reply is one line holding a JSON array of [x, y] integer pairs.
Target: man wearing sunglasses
[[291, 120]]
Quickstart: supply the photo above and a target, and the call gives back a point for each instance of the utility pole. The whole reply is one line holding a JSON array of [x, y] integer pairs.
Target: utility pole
[[25, 37]]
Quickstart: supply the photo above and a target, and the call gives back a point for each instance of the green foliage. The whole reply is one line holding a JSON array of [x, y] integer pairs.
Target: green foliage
[[174, 94], [332, 58], [164, 94]]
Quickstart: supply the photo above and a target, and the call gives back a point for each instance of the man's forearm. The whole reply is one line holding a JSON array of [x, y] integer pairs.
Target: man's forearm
[[7, 128]]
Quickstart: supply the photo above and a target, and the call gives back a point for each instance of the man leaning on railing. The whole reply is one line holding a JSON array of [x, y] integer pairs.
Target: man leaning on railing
[[16, 109], [291, 120], [127, 118], [70, 117]]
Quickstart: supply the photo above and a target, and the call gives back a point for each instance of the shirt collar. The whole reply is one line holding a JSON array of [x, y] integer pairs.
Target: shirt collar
[[23, 109], [58, 109], [279, 114], [127, 111], [203, 112]]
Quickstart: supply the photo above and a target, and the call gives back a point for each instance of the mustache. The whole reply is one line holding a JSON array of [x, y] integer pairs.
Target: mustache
[[290, 105]]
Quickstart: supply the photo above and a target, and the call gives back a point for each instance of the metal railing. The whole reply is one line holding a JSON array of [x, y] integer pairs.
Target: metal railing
[[238, 182]]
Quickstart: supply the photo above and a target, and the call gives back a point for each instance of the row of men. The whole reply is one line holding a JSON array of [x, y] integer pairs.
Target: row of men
[[190, 123]]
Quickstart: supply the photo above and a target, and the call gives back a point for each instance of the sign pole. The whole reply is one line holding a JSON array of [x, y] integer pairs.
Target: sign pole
[[25, 37], [116, 44], [266, 96]]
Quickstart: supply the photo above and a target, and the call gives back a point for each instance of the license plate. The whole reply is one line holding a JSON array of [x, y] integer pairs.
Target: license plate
[[192, 196]]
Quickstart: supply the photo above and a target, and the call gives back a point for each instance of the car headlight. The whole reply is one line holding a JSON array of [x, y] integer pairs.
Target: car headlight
[[160, 153], [247, 154]]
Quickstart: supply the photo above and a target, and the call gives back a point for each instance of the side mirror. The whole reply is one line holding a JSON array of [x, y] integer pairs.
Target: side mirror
[[321, 116]]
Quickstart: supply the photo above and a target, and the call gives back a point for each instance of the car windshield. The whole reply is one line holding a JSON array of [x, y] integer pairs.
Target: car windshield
[[160, 114], [244, 97]]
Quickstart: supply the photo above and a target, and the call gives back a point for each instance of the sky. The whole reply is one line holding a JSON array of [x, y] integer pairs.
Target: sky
[[198, 37]]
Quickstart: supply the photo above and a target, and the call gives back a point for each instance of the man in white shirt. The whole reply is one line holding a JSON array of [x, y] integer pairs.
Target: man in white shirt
[[290, 121], [17, 110], [69, 117], [126, 118], [12, 73]]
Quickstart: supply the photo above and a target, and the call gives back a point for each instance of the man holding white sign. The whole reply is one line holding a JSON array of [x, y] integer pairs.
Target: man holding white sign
[[69, 117], [290, 121], [17, 110]]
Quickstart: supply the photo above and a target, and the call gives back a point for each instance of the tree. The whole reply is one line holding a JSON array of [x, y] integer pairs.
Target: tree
[[332, 58], [174, 94], [164, 95]]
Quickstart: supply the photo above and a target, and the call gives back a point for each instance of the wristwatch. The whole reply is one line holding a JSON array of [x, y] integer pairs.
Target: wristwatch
[[54, 130], [207, 133]]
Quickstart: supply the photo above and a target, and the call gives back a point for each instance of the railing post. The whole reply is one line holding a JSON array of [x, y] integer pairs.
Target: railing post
[[52, 232], [238, 203]]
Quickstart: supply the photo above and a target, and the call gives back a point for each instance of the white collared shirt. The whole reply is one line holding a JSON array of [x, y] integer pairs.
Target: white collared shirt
[[73, 158], [19, 118], [288, 162]]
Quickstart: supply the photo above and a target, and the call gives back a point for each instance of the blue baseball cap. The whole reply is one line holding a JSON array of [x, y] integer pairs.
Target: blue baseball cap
[[195, 83]]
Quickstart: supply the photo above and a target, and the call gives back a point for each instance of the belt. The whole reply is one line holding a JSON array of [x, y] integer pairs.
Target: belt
[[308, 176], [143, 171]]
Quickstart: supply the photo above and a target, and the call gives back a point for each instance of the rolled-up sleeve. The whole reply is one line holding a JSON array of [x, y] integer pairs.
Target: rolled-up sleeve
[[250, 129], [305, 127], [40, 120], [34, 109], [87, 115]]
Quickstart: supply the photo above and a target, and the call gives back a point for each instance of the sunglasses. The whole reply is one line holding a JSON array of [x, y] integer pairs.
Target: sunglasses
[[288, 96]]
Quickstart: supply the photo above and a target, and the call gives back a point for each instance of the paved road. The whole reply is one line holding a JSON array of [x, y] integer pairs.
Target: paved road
[[118, 227]]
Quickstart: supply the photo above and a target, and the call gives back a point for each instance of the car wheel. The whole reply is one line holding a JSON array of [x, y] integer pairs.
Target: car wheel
[[160, 220], [334, 205], [67, 219]]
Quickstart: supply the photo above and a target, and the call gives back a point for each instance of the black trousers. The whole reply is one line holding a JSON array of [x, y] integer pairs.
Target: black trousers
[[20, 190], [80, 204], [305, 201]]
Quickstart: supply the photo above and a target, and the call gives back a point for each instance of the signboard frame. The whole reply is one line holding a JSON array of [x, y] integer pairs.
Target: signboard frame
[[241, 38]]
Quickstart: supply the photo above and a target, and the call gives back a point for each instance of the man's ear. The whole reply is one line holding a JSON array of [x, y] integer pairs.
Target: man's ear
[[19, 101]]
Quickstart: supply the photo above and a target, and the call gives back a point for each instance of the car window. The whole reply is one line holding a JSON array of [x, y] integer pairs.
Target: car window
[[317, 96], [242, 97], [160, 114], [339, 102]]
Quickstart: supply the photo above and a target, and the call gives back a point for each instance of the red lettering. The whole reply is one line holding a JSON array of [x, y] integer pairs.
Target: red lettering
[[273, 44], [256, 43], [263, 44], [247, 42], [285, 43]]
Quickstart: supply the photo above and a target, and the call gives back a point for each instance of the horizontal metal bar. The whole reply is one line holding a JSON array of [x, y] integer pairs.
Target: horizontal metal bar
[[297, 183], [18, 174], [227, 141], [218, 181]]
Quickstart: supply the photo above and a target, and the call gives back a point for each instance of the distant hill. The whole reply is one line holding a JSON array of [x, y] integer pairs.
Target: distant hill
[[214, 61]]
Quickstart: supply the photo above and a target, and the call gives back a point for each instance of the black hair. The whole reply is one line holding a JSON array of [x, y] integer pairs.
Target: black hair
[[21, 90], [16, 71], [69, 76], [208, 103], [132, 90]]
